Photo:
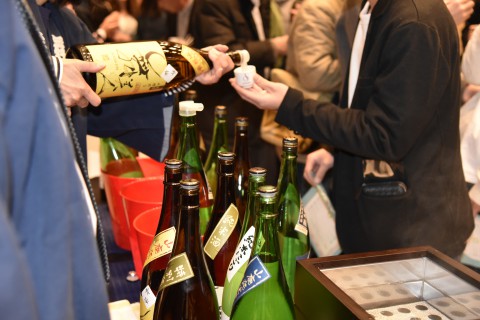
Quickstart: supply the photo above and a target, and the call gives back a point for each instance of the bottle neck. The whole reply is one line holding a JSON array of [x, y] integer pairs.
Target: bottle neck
[[240, 146], [252, 197], [171, 197], [225, 194], [219, 140], [288, 170], [266, 241], [188, 149], [188, 235]]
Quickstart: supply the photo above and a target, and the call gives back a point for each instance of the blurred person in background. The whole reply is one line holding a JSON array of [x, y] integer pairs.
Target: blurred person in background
[[257, 27], [398, 179]]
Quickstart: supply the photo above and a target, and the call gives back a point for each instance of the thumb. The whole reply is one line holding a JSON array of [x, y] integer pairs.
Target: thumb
[[87, 66]]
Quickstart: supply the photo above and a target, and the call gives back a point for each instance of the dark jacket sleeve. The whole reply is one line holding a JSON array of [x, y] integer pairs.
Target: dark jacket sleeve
[[397, 97]]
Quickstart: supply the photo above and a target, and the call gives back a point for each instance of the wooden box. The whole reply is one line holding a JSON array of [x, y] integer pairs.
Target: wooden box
[[413, 283]]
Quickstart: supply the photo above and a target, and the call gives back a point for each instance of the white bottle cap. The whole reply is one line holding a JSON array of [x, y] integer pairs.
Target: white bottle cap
[[245, 57], [189, 108]]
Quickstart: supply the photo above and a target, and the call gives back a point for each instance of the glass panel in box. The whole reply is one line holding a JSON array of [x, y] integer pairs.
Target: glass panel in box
[[408, 289]]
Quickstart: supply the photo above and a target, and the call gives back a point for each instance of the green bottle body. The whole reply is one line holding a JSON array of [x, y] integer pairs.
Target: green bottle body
[[188, 151], [292, 229], [242, 164], [239, 262], [219, 143], [263, 292], [117, 159]]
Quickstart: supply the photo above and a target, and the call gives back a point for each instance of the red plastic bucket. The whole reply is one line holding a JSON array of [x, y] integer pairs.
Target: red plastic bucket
[[113, 186], [139, 196], [145, 226]]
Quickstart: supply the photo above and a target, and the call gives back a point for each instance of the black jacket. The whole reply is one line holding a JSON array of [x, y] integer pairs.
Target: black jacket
[[405, 111]]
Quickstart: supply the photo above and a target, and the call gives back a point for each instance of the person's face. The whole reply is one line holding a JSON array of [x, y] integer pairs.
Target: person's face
[[172, 6]]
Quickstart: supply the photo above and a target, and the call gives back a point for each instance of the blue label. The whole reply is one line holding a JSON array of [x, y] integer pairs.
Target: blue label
[[255, 275]]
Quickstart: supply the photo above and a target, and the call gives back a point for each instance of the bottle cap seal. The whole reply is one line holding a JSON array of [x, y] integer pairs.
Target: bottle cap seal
[[189, 108]]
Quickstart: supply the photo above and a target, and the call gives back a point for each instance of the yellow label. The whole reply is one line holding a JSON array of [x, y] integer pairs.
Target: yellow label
[[147, 304], [199, 64], [222, 231], [162, 244], [130, 68], [178, 270]]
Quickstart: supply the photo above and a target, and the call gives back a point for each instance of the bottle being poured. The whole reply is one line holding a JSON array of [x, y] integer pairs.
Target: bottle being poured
[[141, 67]]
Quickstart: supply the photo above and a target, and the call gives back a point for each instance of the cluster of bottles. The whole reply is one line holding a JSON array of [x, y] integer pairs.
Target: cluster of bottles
[[226, 244], [236, 259]]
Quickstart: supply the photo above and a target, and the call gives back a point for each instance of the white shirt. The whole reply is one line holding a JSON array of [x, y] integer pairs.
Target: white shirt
[[357, 50]]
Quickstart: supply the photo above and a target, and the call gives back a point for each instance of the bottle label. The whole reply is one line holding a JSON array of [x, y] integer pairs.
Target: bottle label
[[169, 73], [162, 244], [198, 63], [242, 253], [222, 231], [129, 68], [255, 275], [178, 270], [147, 303], [219, 293], [302, 225]]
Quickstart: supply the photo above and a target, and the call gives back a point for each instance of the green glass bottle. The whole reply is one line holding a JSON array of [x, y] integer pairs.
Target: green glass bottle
[[223, 230], [242, 164], [292, 227], [219, 143], [238, 263], [162, 245], [263, 293], [117, 159], [186, 291], [189, 153]]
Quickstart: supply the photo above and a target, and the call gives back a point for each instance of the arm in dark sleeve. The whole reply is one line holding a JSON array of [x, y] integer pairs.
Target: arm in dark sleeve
[[391, 107], [142, 122]]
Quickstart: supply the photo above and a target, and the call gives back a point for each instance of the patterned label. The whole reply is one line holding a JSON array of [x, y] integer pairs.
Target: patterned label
[[222, 231], [129, 68], [242, 253], [199, 64], [302, 225], [162, 244], [178, 270], [255, 275]]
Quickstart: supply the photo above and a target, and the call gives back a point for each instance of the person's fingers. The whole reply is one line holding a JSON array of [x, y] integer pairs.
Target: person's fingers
[[87, 66]]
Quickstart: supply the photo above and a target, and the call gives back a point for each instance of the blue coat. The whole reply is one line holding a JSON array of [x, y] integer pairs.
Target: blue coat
[[49, 263]]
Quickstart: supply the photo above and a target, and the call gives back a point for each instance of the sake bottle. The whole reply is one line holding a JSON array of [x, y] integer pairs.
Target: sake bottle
[[292, 227], [162, 245], [189, 153], [117, 159], [145, 66], [238, 263], [263, 293], [187, 291], [223, 230], [176, 121], [219, 143], [242, 163]]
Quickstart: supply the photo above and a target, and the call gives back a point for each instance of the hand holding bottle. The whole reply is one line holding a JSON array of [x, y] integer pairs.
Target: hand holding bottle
[[75, 90], [221, 64], [316, 165], [264, 94]]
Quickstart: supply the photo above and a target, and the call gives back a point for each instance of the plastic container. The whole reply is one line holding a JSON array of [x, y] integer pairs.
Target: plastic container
[[145, 226], [113, 185], [139, 196]]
